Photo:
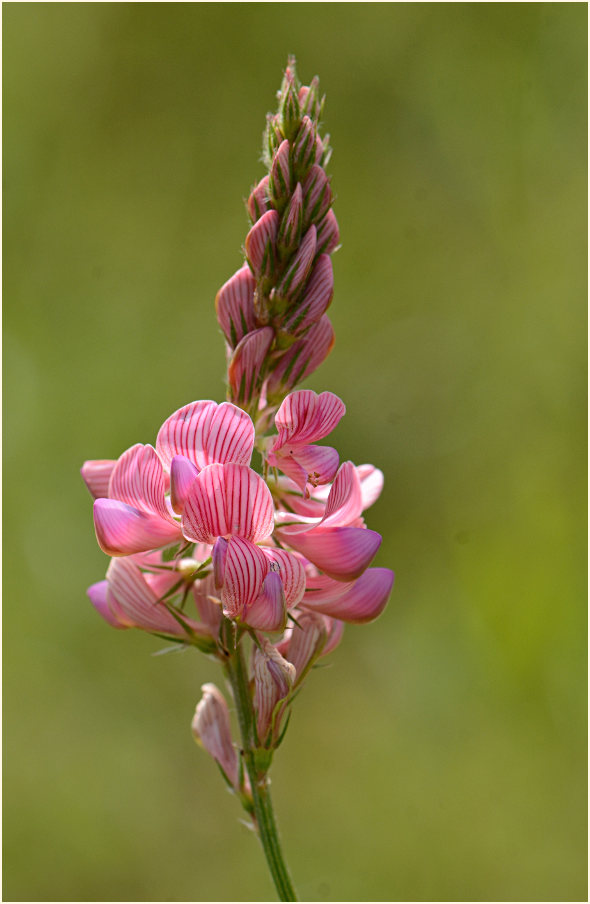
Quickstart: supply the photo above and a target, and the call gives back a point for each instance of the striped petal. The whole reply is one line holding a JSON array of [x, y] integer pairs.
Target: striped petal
[[298, 270], [260, 243], [291, 572], [328, 237], [183, 473], [245, 568], [307, 464], [306, 642], [209, 611], [362, 602], [212, 729], [244, 370], [301, 359], [345, 503], [371, 479], [98, 594], [205, 433], [122, 530], [268, 612], [228, 500], [273, 679], [96, 475], [138, 605], [316, 299], [138, 479], [306, 417], [234, 305], [258, 200], [341, 552]]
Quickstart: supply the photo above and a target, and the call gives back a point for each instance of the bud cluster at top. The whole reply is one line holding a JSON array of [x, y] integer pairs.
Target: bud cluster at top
[[273, 310]]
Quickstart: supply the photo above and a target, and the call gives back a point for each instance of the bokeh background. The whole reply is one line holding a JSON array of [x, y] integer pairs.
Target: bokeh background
[[442, 756]]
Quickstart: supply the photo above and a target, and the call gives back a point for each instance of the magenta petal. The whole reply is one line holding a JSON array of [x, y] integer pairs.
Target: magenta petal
[[219, 556], [206, 433], [138, 604], [98, 594], [183, 473], [361, 603], [371, 479], [291, 573], [245, 569], [341, 552], [138, 480], [268, 612], [345, 503], [96, 475], [319, 463], [122, 530], [335, 632], [234, 305], [228, 500], [305, 417]]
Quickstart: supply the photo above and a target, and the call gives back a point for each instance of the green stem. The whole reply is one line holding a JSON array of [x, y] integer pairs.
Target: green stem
[[263, 810]]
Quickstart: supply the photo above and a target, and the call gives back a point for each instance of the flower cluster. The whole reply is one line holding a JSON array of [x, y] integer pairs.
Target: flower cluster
[[207, 550]]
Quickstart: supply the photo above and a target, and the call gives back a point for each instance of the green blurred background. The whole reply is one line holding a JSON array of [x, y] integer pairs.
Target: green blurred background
[[443, 754]]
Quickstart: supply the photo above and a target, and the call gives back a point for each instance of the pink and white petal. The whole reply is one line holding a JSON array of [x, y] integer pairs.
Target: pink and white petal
[[234, 305], [122, 530], [305, 417], [344, 504], [184, 433], [204, 514], [231, 436], [306, 641], [371, 479], [321, 588], [139, 604], [98, 594], [291, 572], [138, 480], [210, 613], [183, 473], [340, 552], [289, 465], [96, 475], [246, 567], [361, 603], [268, 612], [335, 632]]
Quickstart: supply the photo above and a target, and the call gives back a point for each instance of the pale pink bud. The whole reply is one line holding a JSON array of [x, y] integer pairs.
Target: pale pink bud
[[306, 148], [211, 728], [306, 642], [301, 359], [279, 184], [260, 244], [316, 298], [291, 224], [244, 371], [328, 237], [309, 99], [298, 270], [269, 611], [273, 679], [258, 202], [317, 195]]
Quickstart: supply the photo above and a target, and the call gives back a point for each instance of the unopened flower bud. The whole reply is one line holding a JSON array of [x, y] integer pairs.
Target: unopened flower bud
[[306, 641], [273, 679], [211, 728], [258, 200], [289, 112], [306, 148], [328, 234], [316, 298], [244, 371], [310, 101], [291, 224], [234, 306], [279, 184], [272, 138], [268, 612], [301, 359], [298, 270], [317, 195], [260, 244]]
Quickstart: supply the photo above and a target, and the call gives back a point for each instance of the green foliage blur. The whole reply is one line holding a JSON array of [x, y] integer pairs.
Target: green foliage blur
[[442, 755]]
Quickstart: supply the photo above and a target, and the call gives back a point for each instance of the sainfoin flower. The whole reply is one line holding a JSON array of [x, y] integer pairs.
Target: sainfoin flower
[[239, 526]]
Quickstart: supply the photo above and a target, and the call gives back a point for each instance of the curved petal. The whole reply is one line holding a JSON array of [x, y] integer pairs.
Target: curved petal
[[205, 433], [244, 370], [371, 479], [245, 569], [183, 473], [212, 728], [306, 417], [96, 475], [209, 611], [98, 594], [138, 604], [268, 612], [302, 358], [316, 298], [261, 241], [122, 530], [138, 479], [344, 504], [228, 500], [340, 552], [291, 573], [362, 602], [234, 305]]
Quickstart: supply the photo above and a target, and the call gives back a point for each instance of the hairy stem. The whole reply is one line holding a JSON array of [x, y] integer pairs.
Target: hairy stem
[[263, 811]]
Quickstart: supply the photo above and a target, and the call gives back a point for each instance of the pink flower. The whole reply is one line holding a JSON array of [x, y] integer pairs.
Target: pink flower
[[211, 728]]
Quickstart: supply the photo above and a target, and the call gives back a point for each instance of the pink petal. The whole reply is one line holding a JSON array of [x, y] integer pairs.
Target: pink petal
[[98, 594], [122, 530], [246, 567], [335, 632], [317, 194], [258, 200], [306, 642], [183, 473], [328, 234], [305, 417], [302, 358], [273, 680], [298, 270], [344, 504], [260, 243], [371, 479], [316, 299], [139, 605], [209, 612], [212, 728], [234, 305], [219, 557], [205, 433], [138, 480], [360, 603], [228, 500], [96, 475], [268, 612], [341, 552], [245, 368], [291, 573]]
